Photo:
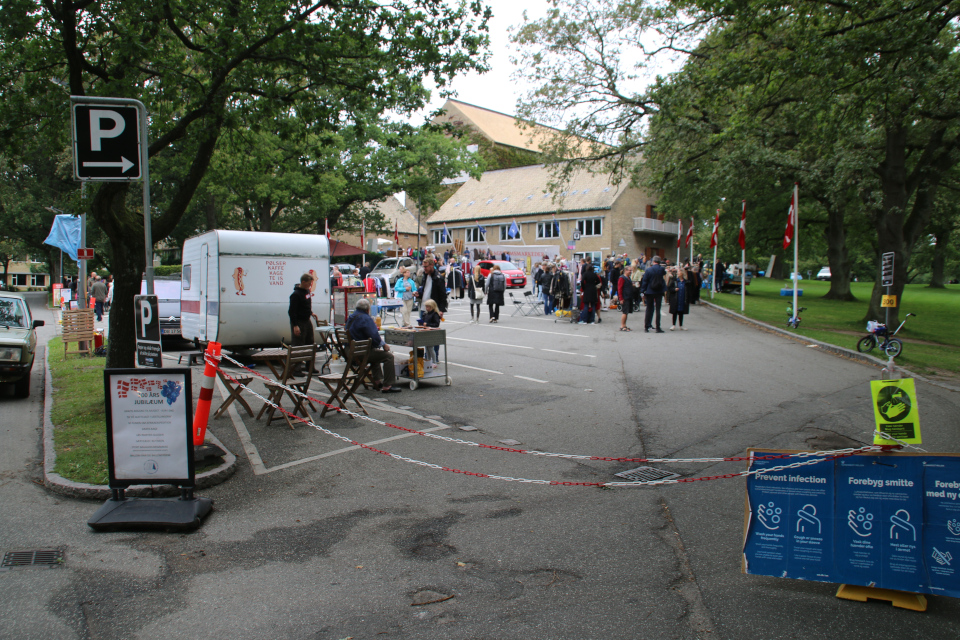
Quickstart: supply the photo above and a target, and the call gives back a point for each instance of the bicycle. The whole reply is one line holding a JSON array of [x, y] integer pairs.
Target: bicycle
[[889, 344], [793, 321]]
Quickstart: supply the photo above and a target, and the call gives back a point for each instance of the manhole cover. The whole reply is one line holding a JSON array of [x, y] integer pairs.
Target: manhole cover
[[646, 474], [22, 559]]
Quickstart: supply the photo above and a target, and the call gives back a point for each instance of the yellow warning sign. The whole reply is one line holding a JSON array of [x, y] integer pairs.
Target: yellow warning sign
[[895, 410], [888, 301]]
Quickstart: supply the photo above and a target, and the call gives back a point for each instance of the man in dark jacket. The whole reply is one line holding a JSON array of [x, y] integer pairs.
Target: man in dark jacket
[[590, 284], [364, 270], [652, 286], [300, 312], [362, 327], [430, 286]]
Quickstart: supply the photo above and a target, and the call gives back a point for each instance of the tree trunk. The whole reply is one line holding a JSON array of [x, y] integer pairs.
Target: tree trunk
[[837, 256], [211, 212], [126, 243], [939, 258], [263, 212]]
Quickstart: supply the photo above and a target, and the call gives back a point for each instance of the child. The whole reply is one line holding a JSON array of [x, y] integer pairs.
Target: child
[[432, 318]]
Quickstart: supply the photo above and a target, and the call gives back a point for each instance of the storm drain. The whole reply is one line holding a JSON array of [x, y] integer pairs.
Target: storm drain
[[44, 558], [646, 474]]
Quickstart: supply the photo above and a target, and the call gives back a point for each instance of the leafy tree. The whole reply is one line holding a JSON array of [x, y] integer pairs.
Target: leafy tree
[[868, 85], [205, 69]]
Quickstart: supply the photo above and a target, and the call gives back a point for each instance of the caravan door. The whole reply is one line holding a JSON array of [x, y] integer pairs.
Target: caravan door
[[204, 289]]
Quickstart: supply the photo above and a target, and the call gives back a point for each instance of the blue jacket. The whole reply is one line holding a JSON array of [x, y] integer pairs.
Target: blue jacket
[[401, 286], [649, 274], [362, 327]]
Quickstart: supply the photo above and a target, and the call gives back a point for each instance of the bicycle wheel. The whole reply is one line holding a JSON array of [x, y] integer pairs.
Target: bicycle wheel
[[867, 343], [894, 347]]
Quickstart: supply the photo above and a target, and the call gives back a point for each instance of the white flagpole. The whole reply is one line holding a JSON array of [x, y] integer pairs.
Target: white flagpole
[[743, 265], [713, 285], [796, 244], [679, 237]]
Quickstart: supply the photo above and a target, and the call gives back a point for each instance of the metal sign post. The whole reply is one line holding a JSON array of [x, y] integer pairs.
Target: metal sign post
[[110, 145], [886, 278]]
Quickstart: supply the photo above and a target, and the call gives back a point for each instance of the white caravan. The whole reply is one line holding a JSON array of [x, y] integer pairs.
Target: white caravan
[[236, 285]]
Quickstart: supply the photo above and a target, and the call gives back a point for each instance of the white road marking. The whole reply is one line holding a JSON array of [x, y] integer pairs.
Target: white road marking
[[569, 353], [499, 344], [337, 452], [466, 366], [248, 447], [532, 379]]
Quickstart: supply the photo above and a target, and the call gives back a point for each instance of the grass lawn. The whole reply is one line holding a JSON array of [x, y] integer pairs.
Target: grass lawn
[[931, 347], [77, 413]]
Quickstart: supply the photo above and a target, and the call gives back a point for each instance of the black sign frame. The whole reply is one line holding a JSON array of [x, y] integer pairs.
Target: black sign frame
[[109, 162]]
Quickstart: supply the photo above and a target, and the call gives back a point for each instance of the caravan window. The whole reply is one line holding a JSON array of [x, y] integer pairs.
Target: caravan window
[[185, 277]]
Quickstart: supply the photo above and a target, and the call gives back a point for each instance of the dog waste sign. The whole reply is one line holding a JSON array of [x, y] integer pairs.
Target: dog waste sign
[[895, 410]]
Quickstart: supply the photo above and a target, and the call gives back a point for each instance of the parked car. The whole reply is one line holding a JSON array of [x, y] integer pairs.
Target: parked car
[[346, 268], [390, 267], [516, 278], [823, 274], [18, 342], [168, 290]]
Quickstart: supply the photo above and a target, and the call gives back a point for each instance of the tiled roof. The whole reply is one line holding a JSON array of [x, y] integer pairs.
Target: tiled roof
[[393, 211], [524, 191], [498, 127]]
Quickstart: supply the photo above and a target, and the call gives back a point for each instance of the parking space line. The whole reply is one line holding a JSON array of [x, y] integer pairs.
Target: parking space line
[[569, 353], [466, 366], [499, 344], [532, 379], [245, 440]]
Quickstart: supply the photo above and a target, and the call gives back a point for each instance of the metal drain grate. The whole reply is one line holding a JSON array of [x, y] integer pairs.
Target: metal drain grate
[[44, 558], [646, 474]]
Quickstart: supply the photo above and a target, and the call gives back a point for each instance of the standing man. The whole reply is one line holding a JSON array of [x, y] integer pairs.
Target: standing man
[[99, 292], [364, 270], [652, 286], [718, 270], [300, 312], [430, 286]]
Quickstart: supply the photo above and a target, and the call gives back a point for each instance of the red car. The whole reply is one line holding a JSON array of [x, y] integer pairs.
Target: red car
[[516, 279]]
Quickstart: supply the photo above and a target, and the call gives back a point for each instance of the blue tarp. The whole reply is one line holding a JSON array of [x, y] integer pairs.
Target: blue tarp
[[65, 234]]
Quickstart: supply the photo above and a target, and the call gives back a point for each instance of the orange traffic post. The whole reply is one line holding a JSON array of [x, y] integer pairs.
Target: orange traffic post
[[202, 415]]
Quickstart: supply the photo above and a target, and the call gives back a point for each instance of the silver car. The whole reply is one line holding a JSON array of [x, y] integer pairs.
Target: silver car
[[390, 267], [18, 342]]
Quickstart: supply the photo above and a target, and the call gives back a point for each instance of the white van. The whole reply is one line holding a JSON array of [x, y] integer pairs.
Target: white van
[[236, 285]]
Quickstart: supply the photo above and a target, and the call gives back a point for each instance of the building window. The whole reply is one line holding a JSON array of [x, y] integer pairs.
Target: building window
[[506, 236], [19, 279], [474, 235], [439, 239], [548, 229], [590, 227], [38, 280]]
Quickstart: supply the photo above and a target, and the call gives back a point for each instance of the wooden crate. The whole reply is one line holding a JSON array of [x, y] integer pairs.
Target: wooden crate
[[78, 328]]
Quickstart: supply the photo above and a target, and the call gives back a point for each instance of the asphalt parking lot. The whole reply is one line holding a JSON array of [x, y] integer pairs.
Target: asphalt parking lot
[[314, 538]]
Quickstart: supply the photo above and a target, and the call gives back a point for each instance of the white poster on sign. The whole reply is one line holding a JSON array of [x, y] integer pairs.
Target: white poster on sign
[[149, 426]]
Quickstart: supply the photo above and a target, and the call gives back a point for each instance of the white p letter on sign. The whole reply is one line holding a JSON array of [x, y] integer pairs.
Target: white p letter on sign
[[97, 134]]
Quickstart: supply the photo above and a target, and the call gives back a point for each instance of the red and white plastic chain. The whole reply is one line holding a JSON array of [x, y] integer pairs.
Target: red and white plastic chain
[[568, 456], [534, 481]]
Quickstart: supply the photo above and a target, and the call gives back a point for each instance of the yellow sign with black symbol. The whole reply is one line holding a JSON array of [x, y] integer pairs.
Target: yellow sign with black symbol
[[895, 410], [888, 301]]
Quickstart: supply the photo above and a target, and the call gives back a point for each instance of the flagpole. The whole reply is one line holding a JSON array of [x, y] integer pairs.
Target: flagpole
[[796, 245], [679, 234], [714, 240], [713, 285], [743, 263]]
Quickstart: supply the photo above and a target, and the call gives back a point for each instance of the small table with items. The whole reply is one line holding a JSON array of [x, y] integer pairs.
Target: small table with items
[[419, 339], [391, 306]]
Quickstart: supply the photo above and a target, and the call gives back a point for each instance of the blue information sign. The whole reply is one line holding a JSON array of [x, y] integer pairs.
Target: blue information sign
[[889, 520]]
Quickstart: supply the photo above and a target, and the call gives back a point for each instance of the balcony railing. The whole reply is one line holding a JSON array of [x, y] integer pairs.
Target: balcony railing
[[655, 226]]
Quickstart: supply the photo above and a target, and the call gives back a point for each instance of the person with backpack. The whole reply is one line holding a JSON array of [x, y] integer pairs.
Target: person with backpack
[[496, 285], [652, 286]]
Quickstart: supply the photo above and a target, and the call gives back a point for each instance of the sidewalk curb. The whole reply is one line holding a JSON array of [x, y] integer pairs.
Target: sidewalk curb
[[58, 484], [849, 354]]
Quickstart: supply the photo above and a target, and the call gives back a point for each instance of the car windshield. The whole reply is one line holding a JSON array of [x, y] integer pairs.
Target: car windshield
[[385, 265], [12, 313]]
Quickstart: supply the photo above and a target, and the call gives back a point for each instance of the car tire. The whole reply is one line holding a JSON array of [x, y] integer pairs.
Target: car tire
[[21, 388]]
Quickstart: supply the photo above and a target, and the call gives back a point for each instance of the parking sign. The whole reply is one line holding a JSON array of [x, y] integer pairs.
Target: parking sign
[[106, 142]]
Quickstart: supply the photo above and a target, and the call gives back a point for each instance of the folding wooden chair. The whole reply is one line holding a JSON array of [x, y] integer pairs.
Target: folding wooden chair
[[343, 348], [235, 390], [304, 356], [343, 386]]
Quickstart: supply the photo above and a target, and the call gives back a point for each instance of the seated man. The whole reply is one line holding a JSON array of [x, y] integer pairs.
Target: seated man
[[362, 327]]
